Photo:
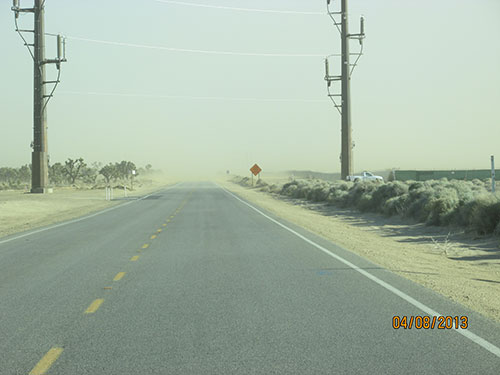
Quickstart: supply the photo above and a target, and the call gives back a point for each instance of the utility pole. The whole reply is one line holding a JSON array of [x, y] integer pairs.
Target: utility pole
[[39, 155], [346, 162], [39, 160], [346, 70]]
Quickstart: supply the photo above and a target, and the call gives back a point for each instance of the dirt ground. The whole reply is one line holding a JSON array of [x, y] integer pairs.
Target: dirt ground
[[458, 265], [21, 211]]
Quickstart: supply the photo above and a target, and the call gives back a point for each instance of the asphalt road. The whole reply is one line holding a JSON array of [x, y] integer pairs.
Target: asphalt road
[[193, 280]]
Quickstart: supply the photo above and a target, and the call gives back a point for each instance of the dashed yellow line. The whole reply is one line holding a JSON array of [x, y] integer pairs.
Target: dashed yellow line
[[134, 258], [145, 246], [153, 236], [119, 276], [48, 359], [164, 225], [159, 230], [172, 216], [94, 306]]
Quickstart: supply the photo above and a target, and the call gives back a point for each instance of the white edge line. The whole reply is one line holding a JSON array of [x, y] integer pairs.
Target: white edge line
[[83, 217], [471, 336]]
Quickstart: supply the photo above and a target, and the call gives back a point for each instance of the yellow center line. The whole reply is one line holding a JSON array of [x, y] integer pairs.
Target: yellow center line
[[119, 276], [159, 230], [153, 236], [134, 258], [94, 306], [145, 246], [164, 225], [48, 359]]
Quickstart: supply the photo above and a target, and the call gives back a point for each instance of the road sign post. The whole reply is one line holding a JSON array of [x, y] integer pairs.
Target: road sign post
[[492, 173], [255, 171]]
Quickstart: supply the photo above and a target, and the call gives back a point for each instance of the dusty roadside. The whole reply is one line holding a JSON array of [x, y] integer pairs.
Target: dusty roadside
[[457, 265], [20, 211]]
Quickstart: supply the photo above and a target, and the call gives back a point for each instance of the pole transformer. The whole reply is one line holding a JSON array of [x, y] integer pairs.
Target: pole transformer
[[39, 155], [345, 78]]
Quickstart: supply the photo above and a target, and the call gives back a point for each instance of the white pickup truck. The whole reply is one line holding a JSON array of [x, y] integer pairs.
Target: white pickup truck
[[366, 176]]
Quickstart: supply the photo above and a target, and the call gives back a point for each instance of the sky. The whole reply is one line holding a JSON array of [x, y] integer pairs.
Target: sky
[[425, 94]]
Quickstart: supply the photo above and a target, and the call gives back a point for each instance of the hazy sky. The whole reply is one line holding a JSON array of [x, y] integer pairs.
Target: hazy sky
[[426, 94]]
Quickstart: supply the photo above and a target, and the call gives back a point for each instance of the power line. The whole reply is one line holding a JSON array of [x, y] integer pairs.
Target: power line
[[187, 50], [221, 98], [239, 9]]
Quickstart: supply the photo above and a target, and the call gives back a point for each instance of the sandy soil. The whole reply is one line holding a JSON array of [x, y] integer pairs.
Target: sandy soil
[[21, 211], [461, 266]]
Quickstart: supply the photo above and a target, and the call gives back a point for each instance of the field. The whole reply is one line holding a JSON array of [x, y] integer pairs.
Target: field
[[21, 211]]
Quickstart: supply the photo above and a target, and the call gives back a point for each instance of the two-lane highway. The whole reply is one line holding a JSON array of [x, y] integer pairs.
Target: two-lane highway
[[193, 280]]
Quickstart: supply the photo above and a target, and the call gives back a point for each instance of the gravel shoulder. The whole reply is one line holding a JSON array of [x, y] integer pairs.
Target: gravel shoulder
[[458, 265], [21, 211]]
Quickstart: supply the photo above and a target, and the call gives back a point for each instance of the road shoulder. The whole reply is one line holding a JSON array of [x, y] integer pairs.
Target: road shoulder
[[471, 281]]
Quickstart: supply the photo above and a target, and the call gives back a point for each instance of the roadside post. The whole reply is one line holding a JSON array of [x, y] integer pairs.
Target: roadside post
[[492, 173], [255, 171], [109, 193]]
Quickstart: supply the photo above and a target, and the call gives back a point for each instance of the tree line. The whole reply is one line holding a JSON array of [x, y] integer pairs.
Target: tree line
[[75, 171]]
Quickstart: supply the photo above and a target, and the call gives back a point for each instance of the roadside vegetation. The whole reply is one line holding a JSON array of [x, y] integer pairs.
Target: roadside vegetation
[[467, 204], [77, 173]]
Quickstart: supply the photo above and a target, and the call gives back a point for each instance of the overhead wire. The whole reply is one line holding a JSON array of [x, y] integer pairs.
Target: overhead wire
[[199, 51], [209, 52], [242, 99], [238, 9]]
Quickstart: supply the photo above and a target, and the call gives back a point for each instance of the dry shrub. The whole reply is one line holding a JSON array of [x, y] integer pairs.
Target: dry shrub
[[385, 192], [274, 188], [485, 213], [434, 202], [356, 192], [318, 192]]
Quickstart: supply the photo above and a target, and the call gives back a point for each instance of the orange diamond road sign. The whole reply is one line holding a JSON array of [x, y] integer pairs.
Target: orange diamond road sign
[[255, 170]]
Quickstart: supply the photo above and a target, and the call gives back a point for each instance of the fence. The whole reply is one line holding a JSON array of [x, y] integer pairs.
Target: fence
[[480, 174]]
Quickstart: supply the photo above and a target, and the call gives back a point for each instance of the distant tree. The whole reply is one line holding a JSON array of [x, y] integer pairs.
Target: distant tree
[[8, 175], [109, 172], [124, 169], [24, 174], [89, 175], [57, 174], [73, 168]]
